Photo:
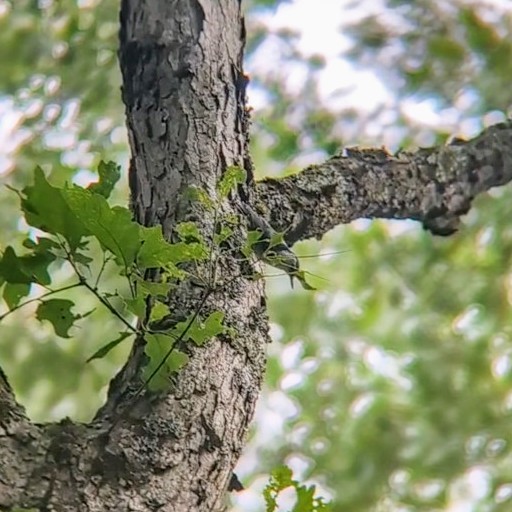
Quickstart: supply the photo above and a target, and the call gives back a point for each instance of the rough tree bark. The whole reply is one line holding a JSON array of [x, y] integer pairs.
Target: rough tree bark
[[184, 92]]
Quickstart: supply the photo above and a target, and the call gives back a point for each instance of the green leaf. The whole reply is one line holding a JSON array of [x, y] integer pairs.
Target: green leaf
[[224, 233], [232, 176], [83, 259], [105, 349], [109, 173], [231, 218], [26, 269], [276, 239], [301, 277], [305, 499], [58, 312], [158, 311], [190, 252], [137, 306], [253, 237], [13, 293], [198, 194], [146, 288], [11, 268], [280, 479], [188, 231], [41, 244], [157, 252], [201, 331], [157, 348], [36, 265], [113, 227], [45, 208]]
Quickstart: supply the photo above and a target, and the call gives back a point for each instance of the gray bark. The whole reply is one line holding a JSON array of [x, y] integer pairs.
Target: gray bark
[[434, 186], [184, 91]]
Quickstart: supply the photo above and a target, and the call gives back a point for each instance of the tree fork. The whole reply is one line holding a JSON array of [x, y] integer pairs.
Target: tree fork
[[184, 92]]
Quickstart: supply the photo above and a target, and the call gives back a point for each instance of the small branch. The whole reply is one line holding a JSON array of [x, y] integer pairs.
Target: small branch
[[211, 266], [131, 285], [173, 346], [100, 273], [82, 281], [40, 297], [435, 186], [109, 306]]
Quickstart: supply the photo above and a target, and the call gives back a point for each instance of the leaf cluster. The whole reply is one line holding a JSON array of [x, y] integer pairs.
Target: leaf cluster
[[65, 222], [281, 479]]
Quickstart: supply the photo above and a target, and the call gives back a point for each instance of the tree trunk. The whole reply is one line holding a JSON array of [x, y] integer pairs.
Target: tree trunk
[[184, 91]]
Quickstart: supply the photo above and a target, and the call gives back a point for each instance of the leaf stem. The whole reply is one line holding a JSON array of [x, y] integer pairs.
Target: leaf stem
[[133, 400], [109, 306], [178, 339], [100, 273], [40, 297], [212, 267], [83, 281]]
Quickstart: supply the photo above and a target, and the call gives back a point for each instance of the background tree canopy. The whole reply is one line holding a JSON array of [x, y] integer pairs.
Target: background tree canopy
[[390, 385]]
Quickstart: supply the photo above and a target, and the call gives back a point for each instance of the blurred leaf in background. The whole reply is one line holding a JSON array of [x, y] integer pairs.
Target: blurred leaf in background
[[388, 387], [60, 108]]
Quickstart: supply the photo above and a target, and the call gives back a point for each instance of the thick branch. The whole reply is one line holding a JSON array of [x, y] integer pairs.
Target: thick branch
[[434, 186]]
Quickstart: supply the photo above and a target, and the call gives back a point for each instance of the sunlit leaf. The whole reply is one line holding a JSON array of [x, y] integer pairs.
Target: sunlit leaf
[[200, 331], [232, 177], [46, 208], [112, 226]]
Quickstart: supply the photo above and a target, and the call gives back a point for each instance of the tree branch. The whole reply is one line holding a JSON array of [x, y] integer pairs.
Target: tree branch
[[184, 92], [432, 185]]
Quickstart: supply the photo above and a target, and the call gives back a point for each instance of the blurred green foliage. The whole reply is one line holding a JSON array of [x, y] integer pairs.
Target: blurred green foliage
[[60, 108], [390, 386]]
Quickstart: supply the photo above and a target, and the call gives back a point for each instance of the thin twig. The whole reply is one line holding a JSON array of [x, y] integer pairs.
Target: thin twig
[[134, 400], [95, 292], [109, 306], [40, 297], [321, 254], [103, 265], [178, 339], [211, 267]]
